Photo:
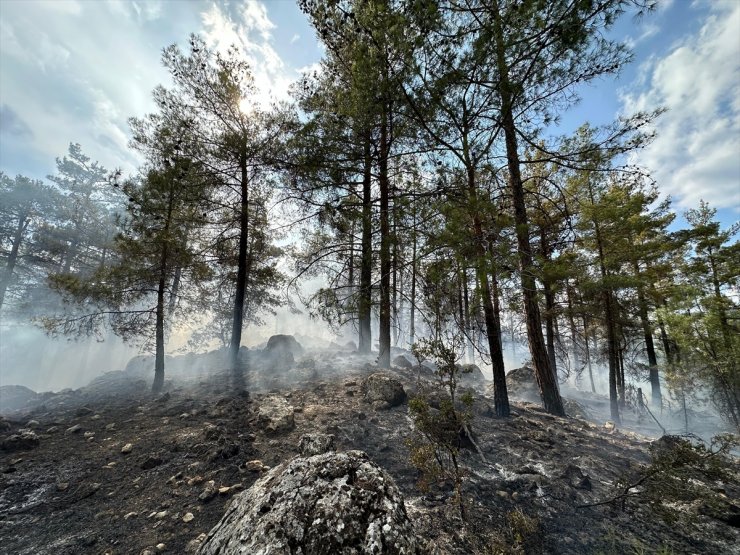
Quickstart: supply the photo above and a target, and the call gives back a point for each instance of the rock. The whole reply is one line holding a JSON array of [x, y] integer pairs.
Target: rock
[[337, 503], [160, 547], [194, 544], [126, 449], [152, 461], [609, 426], [276, 415], [83, 411], [188, 517], [89, 435], [315, 444], [209, 492], [160, 515], [471, 376], [132, 514], [402, 362], [285, 343], [255, 466], [574, 409], [576, 478], [73, 429], [21, 441], [111, 426], [32, 423], [381, 389], [15, 397], [521, 383]]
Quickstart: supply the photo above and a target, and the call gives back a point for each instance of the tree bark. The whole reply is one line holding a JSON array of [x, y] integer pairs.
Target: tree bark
[[13, 256], [366, 263], [241, 272], [544, 371], [384, 332]]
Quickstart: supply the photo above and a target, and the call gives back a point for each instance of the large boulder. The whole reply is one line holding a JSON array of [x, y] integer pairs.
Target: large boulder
[[338, 503], [402, 362], [15, 397], [383, 390], [471, 375], [521, 383], [284, 343]]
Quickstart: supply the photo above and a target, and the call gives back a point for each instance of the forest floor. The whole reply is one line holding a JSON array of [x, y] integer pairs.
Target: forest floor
[[113, 469]]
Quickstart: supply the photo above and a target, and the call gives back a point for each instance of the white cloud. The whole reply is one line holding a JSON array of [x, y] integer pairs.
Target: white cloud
[[250, 32], [695, 155], [295, 38]]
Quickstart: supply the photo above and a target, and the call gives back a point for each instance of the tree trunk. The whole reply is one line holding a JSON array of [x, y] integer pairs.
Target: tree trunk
[[573, 333], [384, 332], [657, 398], [366, 263], [588, 353], [544, 371], [468, 327], [13, 256], [241, 272], [493, 327], [412, 323]]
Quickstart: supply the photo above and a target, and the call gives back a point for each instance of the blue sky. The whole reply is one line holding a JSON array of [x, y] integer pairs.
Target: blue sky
[[77, 70]]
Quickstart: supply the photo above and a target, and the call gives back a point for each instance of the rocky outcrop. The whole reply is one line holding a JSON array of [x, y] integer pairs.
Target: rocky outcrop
[[339, 503], [315, 444], [15, 397], [276, 415], [522, 384], [21, 441], [471, 376], [402, 362], [285, 343], [383, 390]]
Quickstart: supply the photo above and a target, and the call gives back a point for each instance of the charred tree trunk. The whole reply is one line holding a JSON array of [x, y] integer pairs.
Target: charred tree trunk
[[13, 256], [366, 263], [544, 371], [657, 397], [241, 272], [412, 308], [161, 285], [384, 332]]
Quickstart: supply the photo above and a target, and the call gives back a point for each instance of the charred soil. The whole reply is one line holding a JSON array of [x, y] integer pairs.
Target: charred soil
[[111, 469]]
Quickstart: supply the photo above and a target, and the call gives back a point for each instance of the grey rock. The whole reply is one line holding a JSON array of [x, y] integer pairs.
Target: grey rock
[[15, 397], [402, 362], [339, 503], [276, 415], [315, 444], [381, 389], [21, 441], [471, 376], [284, 343]]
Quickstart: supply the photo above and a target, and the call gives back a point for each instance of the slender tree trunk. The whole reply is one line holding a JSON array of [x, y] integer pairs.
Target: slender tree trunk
[[468, 327], [384, 332], [412, 323], [573, 333], [13, 256], [493, 327], [656, 395], [241, 272], [159, 326], [544, 371], [366, 263], [588, 353]]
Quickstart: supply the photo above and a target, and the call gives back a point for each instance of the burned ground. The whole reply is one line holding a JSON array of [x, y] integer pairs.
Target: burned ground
[[113, 469]]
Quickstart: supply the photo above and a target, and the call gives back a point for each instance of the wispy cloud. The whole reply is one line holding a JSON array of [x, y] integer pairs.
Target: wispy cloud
[[695, 153]]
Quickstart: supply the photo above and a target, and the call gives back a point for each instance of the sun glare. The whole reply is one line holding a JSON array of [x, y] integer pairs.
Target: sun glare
[[244, 105]]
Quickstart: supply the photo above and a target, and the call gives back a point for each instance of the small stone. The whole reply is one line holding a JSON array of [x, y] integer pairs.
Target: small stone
[[515, 496], [95, 417], [161, 547], [160, 515], [502, 494], [609, 426], [185, 415], [132, 514], [223, 490], [195, 543], [52, 429], [188, 517], [111, 426], [195, 480], [89, 435], [73, 429], [126, 449], [209, 492], [152, 461], [255, 466], [62, 486], [32, 423]]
